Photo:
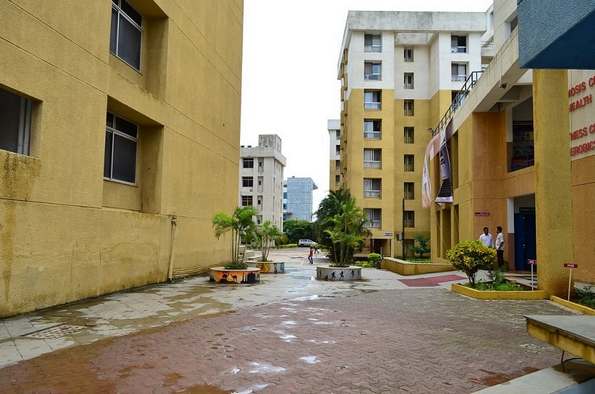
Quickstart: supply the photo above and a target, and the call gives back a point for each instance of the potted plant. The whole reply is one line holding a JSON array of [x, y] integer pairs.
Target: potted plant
[[266, 234], [240, 224]]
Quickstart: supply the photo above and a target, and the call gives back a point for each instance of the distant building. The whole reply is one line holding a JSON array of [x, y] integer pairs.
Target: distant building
[[297, 198], [261, 179], [334, 131]]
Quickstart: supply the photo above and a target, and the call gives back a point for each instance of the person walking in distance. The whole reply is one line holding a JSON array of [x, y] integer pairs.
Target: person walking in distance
[[311, 255], [500, 246], [486, 238]]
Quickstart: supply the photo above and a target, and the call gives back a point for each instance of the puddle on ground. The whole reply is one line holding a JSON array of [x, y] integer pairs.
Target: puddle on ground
[[288, 323], [264, 368], [321, 342], [252, 389], [310, 359]]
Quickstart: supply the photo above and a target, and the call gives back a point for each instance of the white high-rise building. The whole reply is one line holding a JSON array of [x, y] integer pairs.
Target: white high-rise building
[[261, 179]]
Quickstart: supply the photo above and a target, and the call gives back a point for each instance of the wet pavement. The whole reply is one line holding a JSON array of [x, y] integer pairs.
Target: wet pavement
[[288, 334]]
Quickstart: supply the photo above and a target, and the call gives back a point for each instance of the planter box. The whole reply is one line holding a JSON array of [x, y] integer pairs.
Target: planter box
[[234, 276], [406, 268], [498, 295], [338, 273], [271, 267], [585, 310]]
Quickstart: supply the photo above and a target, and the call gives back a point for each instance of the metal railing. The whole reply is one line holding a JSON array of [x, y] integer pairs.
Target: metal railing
[[372, 164], [458, 49], [470, 82], [372, 193], [372, 135], [374, 105]]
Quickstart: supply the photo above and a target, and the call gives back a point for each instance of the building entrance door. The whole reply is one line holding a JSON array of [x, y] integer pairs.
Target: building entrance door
[[524, 239]]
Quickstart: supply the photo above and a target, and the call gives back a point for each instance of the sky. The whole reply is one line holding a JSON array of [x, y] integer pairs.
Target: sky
[[289, 82]]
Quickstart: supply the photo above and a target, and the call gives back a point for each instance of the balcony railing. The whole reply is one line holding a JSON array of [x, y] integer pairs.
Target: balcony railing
[[372, 194], [458, 49], [375, 48], [373, 105], [373, 223], [372, 77], [458, 100], [372, 135], [459, 78], [372, 164]]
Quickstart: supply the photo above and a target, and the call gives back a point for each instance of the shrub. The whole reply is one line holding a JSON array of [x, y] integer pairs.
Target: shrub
[[470, 257], [586, 297], [422, 246], [374, 259]]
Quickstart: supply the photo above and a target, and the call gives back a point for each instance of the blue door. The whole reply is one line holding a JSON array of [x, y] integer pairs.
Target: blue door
[[524, 240]]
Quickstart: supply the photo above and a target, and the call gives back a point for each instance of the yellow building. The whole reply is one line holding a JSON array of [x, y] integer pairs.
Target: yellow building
[[513, 163], [398, 71], [119, 140]]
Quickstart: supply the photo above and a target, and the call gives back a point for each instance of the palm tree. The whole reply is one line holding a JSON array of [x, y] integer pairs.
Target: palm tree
[[266, 233], [240, 224], [328, 209]]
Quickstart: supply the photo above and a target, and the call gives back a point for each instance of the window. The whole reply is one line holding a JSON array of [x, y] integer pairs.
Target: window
[[372, 71], [260, 165], [409, 191], [372, 43], [338, 165], [259, 200], [409, 135], [458, 44], [247, 181], [408, 108], [373, 217], [15, 122], [258, 219], [372, 99], [337, 179], [126, 32], [458, 71], [372, 187], [408, 80], [409, 218], [338, 134], [248, 162], [372, 158], [372, 129], [408, 55], [121, 137], [246, 201], [338, 149], [409, 161]]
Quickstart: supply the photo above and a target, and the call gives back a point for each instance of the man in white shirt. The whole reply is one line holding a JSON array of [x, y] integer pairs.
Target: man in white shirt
[[486, 238], [500, 246]]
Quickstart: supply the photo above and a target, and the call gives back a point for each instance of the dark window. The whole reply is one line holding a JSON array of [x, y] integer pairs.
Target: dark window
[[126, 32], [408, 108], [373, 129], [15, 122], [409, 135], [121, 138], [372, 43], [408, 55], [408, 81], [458, 44], [247, 181], [409, 161], [372, 99], [248, 162], [246, 201], [372, 71], [409, 218], [409, 190]]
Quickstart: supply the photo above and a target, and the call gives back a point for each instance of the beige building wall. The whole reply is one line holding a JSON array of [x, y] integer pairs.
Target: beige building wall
[[67, 234]]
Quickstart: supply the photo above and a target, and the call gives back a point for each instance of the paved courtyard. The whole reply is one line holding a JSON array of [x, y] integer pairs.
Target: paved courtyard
[[288, 334]]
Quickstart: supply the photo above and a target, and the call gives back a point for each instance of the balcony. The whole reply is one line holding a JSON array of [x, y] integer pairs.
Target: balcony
[[373, 105], [372, 135], [372, 164], [458, 49], [458, 78], [373, 224], [372, 194]]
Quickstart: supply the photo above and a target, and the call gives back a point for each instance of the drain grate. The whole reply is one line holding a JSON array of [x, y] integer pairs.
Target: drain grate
[[55, 332]]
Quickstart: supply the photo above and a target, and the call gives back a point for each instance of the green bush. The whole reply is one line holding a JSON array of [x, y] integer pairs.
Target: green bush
[[374, 260], [236, 266], [585, 297], [470, 257], [421, 246]]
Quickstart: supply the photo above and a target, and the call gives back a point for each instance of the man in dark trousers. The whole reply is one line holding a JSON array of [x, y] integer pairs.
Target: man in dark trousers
[[311, 255], [500, 247]]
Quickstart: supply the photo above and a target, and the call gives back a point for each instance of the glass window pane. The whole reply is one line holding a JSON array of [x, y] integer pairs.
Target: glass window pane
[[126, 127], [10, 109], [113, 32], [124, 168], [107, 157], [131, 12], [129, 41]]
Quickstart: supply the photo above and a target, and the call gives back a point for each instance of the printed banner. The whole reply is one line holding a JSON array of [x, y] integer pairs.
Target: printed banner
[[445, 192], [432, 150]]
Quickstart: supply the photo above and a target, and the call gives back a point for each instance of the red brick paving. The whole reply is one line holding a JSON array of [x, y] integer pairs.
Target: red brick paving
[[431, 281], [415, 340]]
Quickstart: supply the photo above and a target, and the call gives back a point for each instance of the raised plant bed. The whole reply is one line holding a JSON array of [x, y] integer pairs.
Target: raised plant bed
[[326, 272], [497, 294], [585, 310], [271, 267], [408, 268], [235, 276]]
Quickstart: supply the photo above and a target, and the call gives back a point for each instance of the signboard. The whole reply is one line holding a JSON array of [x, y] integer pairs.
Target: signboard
[[482, 213], [570, 265], [388, 234], [581, 87], [532, 262]]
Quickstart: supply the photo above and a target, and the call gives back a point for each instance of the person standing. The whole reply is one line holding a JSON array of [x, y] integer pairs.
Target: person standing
[[311, 255], [500, 246], [486, 238]]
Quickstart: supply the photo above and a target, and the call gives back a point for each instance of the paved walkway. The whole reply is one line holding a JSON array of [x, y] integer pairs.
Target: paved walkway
[[288, 334]]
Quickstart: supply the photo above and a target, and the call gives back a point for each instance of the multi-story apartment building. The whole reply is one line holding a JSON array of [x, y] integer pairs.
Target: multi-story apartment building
[[298, 198], [119, 141], [520, 141], [398, 72], [261, 179], [334, 131]]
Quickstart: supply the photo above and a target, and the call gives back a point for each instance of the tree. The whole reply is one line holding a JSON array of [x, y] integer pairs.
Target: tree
[[470, 257], [298, 229], [421, 246], [347, 231], [241, 225], [327, 210], [266, 234]]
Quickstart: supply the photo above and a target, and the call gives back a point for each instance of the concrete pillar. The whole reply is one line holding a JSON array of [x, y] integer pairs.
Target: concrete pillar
[[553, 202]]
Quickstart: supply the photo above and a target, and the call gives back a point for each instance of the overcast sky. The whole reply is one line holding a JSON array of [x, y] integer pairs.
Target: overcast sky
[[290, 84]]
